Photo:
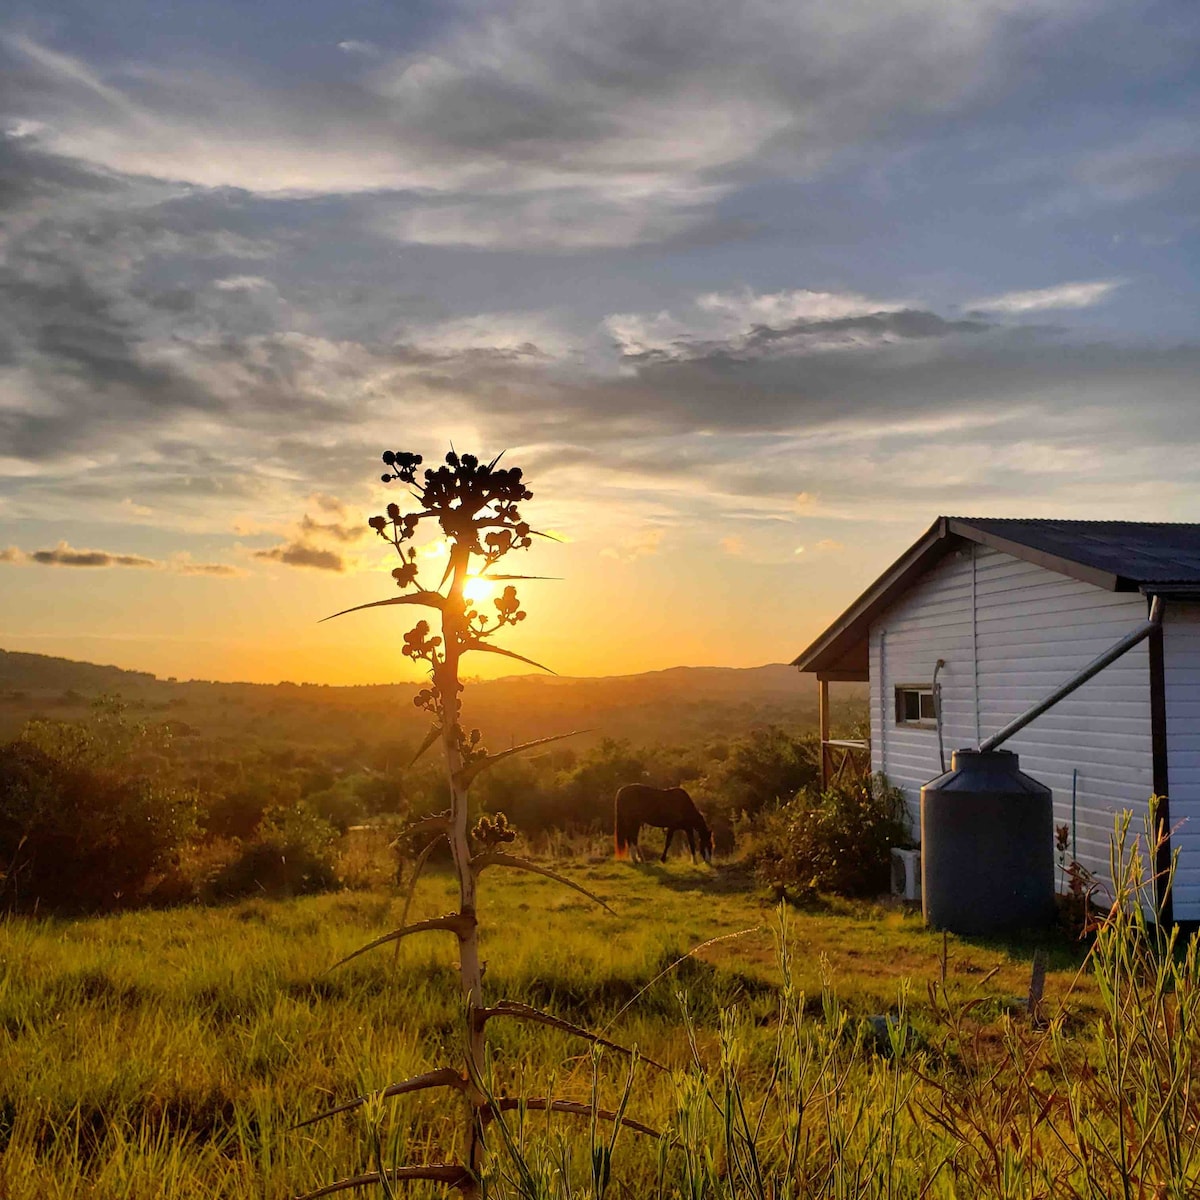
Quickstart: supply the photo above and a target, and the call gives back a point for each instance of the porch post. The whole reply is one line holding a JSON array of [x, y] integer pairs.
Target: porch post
[[823, 723]]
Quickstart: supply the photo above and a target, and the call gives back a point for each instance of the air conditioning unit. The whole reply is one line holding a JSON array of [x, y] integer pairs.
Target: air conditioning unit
[[906, 873]]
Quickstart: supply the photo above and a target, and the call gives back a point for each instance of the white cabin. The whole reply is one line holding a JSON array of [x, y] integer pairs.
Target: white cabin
[[1013, 609]]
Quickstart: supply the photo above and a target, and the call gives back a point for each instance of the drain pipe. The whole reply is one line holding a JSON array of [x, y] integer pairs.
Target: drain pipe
[[1097, 665], [937, 712]]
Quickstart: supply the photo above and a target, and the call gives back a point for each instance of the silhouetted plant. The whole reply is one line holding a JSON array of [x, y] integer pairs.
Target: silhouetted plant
[[476, 506]]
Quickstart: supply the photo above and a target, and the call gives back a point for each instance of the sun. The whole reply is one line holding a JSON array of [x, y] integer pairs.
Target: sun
[[477, 589]]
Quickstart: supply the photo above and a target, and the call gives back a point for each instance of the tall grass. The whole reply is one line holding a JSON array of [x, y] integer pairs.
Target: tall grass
[[826, 1106], [166, 1054]]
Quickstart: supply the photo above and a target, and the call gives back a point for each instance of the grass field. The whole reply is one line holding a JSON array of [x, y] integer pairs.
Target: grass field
[[166, 1053]]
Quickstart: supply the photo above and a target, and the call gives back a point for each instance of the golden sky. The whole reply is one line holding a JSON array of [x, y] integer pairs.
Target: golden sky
[[752, 293]]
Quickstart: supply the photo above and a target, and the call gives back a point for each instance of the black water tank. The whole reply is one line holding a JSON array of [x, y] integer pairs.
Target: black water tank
[[987, 846]]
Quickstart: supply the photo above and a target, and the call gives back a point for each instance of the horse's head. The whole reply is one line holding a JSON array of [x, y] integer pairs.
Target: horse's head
[[701, 827]]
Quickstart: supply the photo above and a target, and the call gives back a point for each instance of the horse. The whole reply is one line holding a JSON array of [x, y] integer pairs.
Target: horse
[[672, 809]]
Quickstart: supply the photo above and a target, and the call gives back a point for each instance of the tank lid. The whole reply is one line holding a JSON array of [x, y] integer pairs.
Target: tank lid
[[987, 771]]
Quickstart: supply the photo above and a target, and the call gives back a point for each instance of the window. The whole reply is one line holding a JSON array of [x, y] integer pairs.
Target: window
[[915, 706]]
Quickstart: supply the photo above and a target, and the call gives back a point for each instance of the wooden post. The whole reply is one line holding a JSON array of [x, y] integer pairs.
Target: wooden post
[[823, 723]]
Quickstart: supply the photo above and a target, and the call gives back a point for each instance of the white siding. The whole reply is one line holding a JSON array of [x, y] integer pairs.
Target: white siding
[[1181, 677], [931, 621], [1010, 632]]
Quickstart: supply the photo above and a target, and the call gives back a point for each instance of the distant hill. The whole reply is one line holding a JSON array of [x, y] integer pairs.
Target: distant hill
[[678, 704], [41, 673]]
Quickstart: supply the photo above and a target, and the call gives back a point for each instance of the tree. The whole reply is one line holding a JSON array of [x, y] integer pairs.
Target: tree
[[87, 817], [476, 507]]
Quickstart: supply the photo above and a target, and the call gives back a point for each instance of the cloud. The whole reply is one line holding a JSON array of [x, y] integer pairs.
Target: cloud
[[64, 555], [745, 309], [329, 504], [243, 283], [746, 325], [182, 564], [333, 530], [523, 124], [641, 543], [1063, 295], [299, 554]]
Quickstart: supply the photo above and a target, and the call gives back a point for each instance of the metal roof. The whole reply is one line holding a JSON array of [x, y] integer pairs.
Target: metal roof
[[1138, 552], [1119, 556]]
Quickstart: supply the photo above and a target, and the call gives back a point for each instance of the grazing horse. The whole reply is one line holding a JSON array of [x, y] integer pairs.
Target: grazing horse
[[671, 809]]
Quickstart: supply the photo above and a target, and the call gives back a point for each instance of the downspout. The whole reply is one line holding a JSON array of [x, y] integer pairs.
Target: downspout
[[937, 712], [1097, 665]]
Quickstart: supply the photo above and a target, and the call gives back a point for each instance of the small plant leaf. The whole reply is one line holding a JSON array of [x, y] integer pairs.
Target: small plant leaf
[[432, 736], [418, 867], [429, 599], [472, 769], [496, 858], [434, 823], [474, 644], [526, 1012], [451, 1174], [453, 922], [442, 1077], [545, 1104]]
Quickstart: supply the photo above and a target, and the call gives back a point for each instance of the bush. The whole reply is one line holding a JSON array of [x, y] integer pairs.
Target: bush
[[763, 769], [86, 823], [837, 841], [293, 855]]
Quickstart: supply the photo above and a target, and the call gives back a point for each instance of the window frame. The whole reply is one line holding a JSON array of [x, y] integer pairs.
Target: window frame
[[921, 690]]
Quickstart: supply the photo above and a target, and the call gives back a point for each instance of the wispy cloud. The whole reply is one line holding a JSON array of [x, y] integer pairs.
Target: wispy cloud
[[66, 555], [182, 564], [1062, 295], [300, 554], [522, 124], [747, 324]]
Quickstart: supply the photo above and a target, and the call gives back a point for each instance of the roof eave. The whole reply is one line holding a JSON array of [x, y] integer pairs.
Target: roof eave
[[1107, 580], [839, 639]]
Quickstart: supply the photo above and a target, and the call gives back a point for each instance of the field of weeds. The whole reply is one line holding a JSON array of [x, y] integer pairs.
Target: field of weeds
[[166, 1054]]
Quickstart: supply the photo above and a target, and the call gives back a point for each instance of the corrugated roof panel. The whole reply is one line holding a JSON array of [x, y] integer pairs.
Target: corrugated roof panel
[[1141, 552]]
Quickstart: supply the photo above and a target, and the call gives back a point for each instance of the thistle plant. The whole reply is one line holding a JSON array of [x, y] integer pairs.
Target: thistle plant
[[476, 506]]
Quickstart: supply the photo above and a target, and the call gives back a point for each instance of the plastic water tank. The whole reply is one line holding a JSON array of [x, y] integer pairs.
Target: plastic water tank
[[987, 846]]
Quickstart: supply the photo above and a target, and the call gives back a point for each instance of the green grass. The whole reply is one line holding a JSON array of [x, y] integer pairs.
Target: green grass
[[165, 1054]]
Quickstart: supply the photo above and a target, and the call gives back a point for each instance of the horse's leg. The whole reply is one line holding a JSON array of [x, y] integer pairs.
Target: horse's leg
[[667, 844], [691, 842], [635, 851]]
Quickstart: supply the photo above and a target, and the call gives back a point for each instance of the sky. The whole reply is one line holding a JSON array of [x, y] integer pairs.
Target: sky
[[751, 292]]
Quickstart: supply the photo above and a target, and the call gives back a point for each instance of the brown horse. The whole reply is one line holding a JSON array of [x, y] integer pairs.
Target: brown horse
[[671, 809]]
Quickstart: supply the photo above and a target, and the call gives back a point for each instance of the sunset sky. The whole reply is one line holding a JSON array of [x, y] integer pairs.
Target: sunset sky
[[752, 292]]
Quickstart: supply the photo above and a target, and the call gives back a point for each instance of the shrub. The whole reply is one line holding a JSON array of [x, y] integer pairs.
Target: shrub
[[764, 769], [85, 821], [338, 804], [838, 840], [292, 855]]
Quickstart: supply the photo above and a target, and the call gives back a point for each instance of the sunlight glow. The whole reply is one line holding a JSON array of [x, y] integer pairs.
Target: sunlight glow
[[478, 589]]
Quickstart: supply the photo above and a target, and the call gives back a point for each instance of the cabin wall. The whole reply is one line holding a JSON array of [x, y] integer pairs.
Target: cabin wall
[[1181, 685], [1010, 632]]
